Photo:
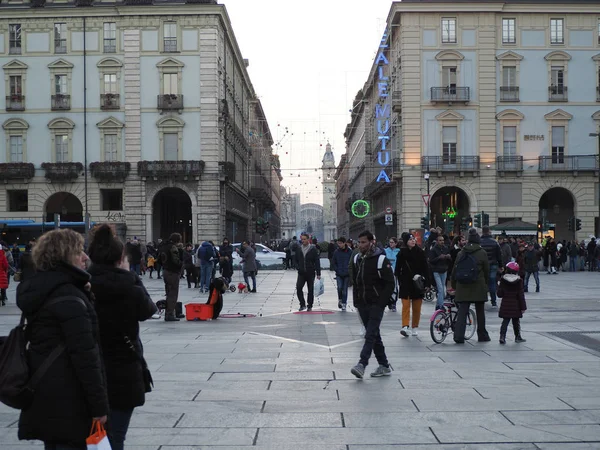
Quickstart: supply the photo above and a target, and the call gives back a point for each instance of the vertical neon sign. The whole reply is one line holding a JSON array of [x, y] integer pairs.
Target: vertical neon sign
[[383, 113]]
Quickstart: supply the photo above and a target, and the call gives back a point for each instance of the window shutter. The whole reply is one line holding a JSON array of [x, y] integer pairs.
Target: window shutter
[[558, 136], [449, 135], [171, 142]]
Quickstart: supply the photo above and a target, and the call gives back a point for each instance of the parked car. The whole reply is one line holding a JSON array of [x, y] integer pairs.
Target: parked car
[[265, 257]]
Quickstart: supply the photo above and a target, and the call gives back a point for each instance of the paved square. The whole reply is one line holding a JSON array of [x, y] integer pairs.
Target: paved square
[[281, 381]]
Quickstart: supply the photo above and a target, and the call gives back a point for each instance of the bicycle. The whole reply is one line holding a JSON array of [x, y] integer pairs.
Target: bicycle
[[430, 295], [444, 320]]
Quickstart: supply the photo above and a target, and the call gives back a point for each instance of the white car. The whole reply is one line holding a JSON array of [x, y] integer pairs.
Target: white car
[[265, 257]]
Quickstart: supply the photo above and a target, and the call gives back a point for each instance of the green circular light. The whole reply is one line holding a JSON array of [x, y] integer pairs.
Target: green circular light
[[360, 209]]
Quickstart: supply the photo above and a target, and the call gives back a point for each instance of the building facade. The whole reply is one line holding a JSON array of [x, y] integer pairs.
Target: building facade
[[329, 195], [492, 106], [140, 113], [311, 220]]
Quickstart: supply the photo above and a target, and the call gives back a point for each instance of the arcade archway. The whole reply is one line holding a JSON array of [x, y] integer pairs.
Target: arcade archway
[[448, 204], [66, 204], [557, 205], [172, 213]]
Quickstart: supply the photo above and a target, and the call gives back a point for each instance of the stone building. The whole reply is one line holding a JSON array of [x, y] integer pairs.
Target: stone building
[[311, 220], [495, 101], [329, 195], [136, 112], [290, 214]]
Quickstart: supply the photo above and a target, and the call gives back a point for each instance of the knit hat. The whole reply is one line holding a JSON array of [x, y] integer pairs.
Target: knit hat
[[406, 237], [473, 236]]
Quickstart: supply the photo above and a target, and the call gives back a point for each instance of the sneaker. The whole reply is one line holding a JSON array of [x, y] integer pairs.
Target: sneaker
[[339, 305], [393, 309], [415, 332], [309, 309], [382, 371], [520, 339], [343, 307], [358, 370], [302, 308], [404, 331]]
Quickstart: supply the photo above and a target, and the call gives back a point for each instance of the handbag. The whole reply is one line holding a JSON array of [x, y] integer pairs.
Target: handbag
[[97, 440], [147, 376], [418, 281], [17, 276]]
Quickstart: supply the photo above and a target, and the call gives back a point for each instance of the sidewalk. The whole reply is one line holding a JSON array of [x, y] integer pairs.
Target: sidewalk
[[282, 381]]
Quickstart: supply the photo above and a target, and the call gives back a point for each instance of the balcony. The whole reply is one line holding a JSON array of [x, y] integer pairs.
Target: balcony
[[397, 101], [509, 94], [38, 3], [109, 101], [84, 2], [170, 170], [110, 171], [60, 102], [557, 94], [170, 102], [575, 164], [441, 165], [14, 49], [509, 164], [62, 172], [16, 171], [15, 102], [450, 95], [226, 171]]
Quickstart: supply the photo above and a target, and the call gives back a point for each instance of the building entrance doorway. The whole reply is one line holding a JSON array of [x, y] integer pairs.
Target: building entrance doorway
[[448, 206], [172, 213], [66, 204], [557, 206]]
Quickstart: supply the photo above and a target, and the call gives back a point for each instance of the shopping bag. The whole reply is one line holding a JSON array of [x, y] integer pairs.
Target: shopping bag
[[98, 440], [319, 288]]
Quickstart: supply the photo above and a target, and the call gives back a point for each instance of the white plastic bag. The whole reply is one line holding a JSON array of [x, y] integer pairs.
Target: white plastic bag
[[98, 440], [319, 288]]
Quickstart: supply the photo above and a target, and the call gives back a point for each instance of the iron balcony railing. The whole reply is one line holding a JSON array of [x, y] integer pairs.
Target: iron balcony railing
[[450, 94], [170, 169], [509, 94], [15, 102], [109, 101], [452, 164], [66, 171], [557, 94], [16, 171], [170, 102], [509, 163], [561, 163], [61, 102], [109, 171]]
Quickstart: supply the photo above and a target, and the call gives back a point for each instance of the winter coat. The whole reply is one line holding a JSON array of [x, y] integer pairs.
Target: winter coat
[[249, 259], [573, 251], [188, 259], [513, 303], [474, 292], [506, 253], [368, 287], [331, 248], [591, 248], [3, 271], [437, 258], [392, 256], [134, 252], [26, 266], [121, 302], [532, 258], [206, 253], [521, 262], [311, 263], [226, 250], [169, 257], [492, 250], [340, 261], [73, 390], [411, 262]]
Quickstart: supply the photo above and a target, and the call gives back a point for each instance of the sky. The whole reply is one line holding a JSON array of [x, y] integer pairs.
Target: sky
[[308, 59]]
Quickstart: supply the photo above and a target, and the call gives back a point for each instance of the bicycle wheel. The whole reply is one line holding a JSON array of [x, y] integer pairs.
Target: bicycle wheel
[[430, 295], [438, 327], [471, 324]]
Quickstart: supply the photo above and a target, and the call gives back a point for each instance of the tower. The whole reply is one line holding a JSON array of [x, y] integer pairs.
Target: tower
[[329, 199]]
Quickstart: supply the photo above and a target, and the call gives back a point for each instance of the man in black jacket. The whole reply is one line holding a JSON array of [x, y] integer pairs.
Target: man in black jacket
[[308, 262], [373, 288], [494, 254], [171, 260]]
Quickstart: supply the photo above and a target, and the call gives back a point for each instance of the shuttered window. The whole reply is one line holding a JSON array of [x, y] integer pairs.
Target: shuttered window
[[171, 143]]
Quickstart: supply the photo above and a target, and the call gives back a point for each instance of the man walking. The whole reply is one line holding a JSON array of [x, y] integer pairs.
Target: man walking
[[373, 287], [171, 261], [249, 265], [340, 260], [308, 263], [532, 258], [206, 255], [494, 255]]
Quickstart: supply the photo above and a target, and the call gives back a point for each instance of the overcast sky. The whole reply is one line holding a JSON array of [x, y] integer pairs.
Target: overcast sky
[[308, 59]]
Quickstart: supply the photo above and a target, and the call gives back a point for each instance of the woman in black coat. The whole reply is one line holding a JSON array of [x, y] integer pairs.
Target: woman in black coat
[[121, 302], [411, 261], [72, 392]]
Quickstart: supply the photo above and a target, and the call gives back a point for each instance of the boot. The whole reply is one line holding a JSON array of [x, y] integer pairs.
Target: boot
[[518, 339], [537, 289], [171, 318], [517, 328], [503, 338], [525, 289]]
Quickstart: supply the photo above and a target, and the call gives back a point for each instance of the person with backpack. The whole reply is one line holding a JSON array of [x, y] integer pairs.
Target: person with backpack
[[56, 303], [513, 305], [340, 262], [171, 261], [469, 279], [412, 272], [206, 254]]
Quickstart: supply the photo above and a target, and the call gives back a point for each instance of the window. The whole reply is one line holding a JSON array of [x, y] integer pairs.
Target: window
[[171, 150], [558, 145], [170, 36], [110, 147], [60, 84], [16, 85], [170, 84], [60, 38], [111, 199], [17, 200], [61, 147], [111, 133], [110, 83], [508, 31], [509, 194], [558, 90], [16, 149], [510, 141], [449, 145], [509, 91], [448, 31], [557, 31], [14, 37], [110, 37], [449, 79], [598, 31]]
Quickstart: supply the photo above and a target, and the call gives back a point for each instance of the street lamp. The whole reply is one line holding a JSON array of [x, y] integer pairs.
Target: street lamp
[[596, 232], [426, 176]]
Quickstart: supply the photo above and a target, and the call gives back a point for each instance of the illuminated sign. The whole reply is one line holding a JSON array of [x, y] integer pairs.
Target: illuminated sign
[[450, 212], [383, 112], [360, 209]]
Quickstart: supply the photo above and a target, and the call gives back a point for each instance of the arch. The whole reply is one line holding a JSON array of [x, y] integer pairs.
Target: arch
[[15, 124], [170, 62], [449, 55], [109, 62], [170, 122], [61, 123], [15, 64], [110, 122], [66, 204], [60, 64], [510, 114], [509, 56], [172, 213], [596, 115], [449, 199], [556, 205], [557, 55]]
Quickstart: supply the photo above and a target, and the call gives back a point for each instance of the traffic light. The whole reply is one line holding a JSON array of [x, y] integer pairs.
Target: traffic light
[[425, 222], [540, 226], [571, 223], [464, 224], [485, 218], [577, 224], [470, 221], [477, 220]]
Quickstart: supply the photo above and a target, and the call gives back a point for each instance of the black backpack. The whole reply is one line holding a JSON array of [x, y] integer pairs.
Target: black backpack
[[16, 385], [466, 270]]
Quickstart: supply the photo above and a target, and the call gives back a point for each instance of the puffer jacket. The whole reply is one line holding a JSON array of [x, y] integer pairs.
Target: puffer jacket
[[341, 261], [369, 288], [437, 258], [411, 262], [3, 270], [492, 250], [513, 303], [73, 390]]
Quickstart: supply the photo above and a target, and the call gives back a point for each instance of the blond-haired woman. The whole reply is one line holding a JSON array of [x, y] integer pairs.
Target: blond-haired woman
[[72, 392]]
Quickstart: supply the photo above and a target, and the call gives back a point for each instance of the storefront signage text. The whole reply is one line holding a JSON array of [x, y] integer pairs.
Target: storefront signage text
[[534, 137], [383, 111]]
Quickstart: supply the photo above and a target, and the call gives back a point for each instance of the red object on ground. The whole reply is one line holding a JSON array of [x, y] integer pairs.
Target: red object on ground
[[198, 311], [313, 312]]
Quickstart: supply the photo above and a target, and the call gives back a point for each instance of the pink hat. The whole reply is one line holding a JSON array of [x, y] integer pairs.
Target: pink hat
[[513, 266]]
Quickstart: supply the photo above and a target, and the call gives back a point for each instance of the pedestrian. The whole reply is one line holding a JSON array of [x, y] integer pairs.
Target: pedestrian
[[439, 260], [16, 254], [513, 304], [3, 275], [372, 289], [411, 264], [206, 255], [457, 245], [331, 248], [582, 256], [188, 264], [552, 252], [340, 262], [134, 253], [309, 264], [495, 257], [391, 253], [171, 263], [158, 262], [121, 302], [226, 261], [72, 393], [574, 256], [293, 247], [249, 265], [472, 259], [531, 259]]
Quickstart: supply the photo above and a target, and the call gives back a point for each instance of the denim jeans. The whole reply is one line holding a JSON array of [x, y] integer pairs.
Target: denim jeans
[[50, 446], [536, 277], [342, 287], [440, 283], [492, 282], [135, 268], [252, 276], [206, 269], [117, 425], [371, 317], [573, 263]]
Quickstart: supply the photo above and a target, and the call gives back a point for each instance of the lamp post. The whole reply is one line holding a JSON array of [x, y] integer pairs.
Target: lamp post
[[597, 231], [426, 176]]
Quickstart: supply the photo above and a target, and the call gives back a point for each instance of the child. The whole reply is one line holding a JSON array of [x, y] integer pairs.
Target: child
[[513, 305], [150, 265]]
